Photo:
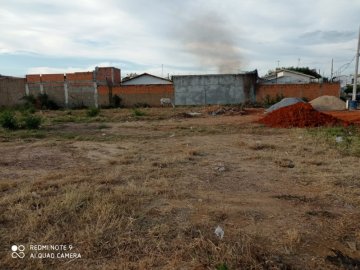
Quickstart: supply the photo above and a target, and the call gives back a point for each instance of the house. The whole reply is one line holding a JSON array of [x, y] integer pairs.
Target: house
[[145, 79], [282, 76]]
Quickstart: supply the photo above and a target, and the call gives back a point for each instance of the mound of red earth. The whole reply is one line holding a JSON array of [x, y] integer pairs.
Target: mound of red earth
[[300, 115]]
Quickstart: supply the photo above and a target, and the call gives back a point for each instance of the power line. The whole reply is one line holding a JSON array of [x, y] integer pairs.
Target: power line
[[345, 66]]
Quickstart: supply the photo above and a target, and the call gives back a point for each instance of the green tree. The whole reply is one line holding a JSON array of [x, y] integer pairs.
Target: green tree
[[304, 70]]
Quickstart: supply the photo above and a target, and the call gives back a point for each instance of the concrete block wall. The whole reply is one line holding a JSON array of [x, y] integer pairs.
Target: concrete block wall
[[81, 89], [309, 90], [11, 91], [133, 94], [214, 89], [67, 90]]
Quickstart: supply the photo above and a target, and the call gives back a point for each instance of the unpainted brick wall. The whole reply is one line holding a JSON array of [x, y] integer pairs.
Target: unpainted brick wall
[[133, 94], [309, 91], [105, 73], [80, 76], [11, 91]]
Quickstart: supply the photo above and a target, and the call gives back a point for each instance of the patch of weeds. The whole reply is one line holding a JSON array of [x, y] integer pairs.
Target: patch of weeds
[[138, 113], [262, 146], [31, 121], [46, 103], [344, 139], [222, 266], [8, 120], [92, 112]]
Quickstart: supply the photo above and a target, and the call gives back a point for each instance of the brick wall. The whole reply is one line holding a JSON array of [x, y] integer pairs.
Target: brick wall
[[80, 76], [103, 73], [309, 91], [132, 94]]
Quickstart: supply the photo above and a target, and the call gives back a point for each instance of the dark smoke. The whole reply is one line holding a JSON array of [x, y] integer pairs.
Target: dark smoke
[[210, 39]]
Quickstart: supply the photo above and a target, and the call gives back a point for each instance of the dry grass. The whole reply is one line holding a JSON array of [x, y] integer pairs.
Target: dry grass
[[151, 196]]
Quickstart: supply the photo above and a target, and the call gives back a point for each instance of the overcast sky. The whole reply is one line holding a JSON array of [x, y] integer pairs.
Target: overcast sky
[[177, 37]]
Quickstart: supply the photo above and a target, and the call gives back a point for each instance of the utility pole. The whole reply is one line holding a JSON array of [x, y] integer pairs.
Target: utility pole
[[332, 69], [356, 68]]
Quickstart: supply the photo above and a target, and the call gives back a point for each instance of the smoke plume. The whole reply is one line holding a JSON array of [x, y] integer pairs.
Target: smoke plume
[[210, 39]]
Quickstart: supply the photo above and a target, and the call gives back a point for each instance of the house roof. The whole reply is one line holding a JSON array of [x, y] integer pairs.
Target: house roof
[[290, 71], [147, 74], [9, 77]]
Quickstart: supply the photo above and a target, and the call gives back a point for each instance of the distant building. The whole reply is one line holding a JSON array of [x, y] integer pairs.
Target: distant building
[[145, 79], [285, 76]]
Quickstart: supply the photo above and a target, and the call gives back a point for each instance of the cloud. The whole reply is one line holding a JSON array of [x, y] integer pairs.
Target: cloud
[[142, 35], [320, 37]]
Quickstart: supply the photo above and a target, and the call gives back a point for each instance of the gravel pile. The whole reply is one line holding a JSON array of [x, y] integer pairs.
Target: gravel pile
[[328, 103], [283, 103]]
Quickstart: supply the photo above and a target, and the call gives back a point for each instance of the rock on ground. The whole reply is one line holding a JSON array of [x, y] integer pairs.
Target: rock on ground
[[283, 103]]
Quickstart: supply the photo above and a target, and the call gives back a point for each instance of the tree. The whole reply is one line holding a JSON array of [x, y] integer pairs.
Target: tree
[[304, 70], [129, 76]]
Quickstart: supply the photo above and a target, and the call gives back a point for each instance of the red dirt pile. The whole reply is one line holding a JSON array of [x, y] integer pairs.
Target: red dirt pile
[[300, 115]]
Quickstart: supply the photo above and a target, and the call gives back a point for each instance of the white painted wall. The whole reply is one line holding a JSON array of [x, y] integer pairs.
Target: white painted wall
[[289, 77], [145, 79]]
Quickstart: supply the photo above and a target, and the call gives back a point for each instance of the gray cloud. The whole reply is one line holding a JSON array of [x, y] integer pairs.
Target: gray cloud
[[319, 37], [202, 35]]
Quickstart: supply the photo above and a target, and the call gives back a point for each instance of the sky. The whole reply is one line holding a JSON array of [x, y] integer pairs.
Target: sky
[[177, 37]]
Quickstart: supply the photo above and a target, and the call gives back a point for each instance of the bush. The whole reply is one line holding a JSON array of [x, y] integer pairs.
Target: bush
[[116, 101], [32, 121], [92, 112], [42, 101], [46, 103], [8, 120]]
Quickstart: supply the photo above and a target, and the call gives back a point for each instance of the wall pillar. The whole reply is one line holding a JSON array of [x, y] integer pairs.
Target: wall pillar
[[41, 88], [27, 92], [66, 94], [96, 103]]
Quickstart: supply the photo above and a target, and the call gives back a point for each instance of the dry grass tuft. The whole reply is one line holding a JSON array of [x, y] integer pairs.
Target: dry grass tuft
[[262, 146]]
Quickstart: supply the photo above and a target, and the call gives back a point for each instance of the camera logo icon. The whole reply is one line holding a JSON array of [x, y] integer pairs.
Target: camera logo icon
[[17, 251]]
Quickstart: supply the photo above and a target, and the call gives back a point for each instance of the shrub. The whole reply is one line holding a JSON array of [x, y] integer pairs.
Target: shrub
[[116, 101], [29, 104], [46, 103], [32, 121], [8, 120], [92, 112]]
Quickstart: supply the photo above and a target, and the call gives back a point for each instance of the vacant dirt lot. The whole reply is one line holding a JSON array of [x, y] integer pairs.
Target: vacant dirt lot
[[148, 192]]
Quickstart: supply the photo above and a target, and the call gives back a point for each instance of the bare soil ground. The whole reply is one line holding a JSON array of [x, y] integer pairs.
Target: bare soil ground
[[148, 193]]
